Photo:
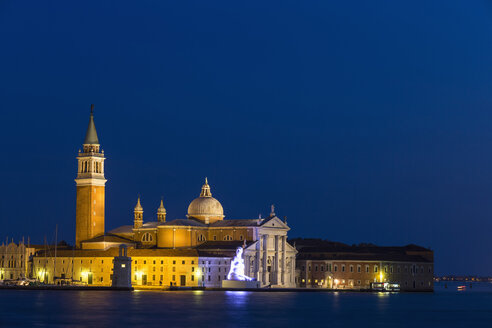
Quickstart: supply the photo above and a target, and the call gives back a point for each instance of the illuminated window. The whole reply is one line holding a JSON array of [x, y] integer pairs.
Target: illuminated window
[[147, 237], [123, 265]]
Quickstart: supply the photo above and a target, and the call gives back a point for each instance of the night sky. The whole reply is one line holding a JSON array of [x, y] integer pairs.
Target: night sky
[[362, 121]]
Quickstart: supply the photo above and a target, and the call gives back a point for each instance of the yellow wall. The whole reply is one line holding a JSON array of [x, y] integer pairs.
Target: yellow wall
[[156, 270], [90, 200]]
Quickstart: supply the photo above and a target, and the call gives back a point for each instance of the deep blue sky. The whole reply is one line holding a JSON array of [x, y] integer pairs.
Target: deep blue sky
[[363, 121]]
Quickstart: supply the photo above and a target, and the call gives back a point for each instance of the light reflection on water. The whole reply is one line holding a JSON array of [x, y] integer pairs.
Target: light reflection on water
[[244, 309]]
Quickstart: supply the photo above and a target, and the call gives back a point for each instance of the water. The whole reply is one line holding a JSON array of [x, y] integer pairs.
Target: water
[[444, 308]]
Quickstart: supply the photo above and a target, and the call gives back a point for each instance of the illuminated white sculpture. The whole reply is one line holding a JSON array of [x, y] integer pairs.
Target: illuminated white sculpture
[[237, 267]]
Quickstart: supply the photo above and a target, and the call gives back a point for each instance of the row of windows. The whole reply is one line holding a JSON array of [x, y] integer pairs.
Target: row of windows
[[147, 237], [85, 168], [11, 264], [413, 269]]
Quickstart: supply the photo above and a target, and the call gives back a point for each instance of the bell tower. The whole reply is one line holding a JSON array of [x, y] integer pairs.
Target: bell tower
[[90, 183]]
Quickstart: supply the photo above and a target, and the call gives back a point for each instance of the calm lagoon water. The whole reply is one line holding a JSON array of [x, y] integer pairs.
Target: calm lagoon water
[[444, 308]]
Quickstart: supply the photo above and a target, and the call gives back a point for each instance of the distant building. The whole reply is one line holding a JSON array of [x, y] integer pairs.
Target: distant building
[[191, 251], [324, 264], [15, 260]]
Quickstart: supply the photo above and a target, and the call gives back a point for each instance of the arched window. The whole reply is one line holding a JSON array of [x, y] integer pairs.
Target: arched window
[[228, 237], [241, 237], [147, 237], [201, 237]]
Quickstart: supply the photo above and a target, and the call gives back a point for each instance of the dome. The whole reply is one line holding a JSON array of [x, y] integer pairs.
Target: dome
[[206, 208]]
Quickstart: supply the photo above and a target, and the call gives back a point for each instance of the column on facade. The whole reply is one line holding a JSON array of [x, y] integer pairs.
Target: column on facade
[[276, 261], [284, 264], [265, 258]]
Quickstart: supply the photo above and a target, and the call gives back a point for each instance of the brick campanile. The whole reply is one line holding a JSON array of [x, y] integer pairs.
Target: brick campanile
[[89, 215]]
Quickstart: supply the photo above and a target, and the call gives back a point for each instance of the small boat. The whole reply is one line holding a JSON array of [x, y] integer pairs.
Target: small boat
[[463, 287]]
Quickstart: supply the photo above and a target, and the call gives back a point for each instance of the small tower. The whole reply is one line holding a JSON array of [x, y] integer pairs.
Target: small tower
[[122, 269], [89, 217], [138, 215], [161, 213]]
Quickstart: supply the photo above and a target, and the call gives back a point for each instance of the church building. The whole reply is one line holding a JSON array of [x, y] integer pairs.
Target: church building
[[193, 250]]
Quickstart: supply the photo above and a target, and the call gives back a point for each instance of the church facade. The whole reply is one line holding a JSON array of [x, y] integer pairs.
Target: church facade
[[194, 250]]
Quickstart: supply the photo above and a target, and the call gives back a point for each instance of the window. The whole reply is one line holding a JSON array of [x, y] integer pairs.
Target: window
[[228, 237], [351, 268], [385, 269], [375, 268], [174, 269], [367, 269], [192, 278], [192, 262], [322, 267], [343, 267], [192, 269], [241, 237], [161, 277], [153, 262], [174, 262], [162, 262], [201, 237], [358, 268], [174, 277], [182, 262], [208, 278], [147, 237], [315, 268], [145, 262], [215, 237], [336, 268], [153, 277], [391, 269]]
